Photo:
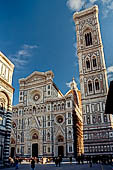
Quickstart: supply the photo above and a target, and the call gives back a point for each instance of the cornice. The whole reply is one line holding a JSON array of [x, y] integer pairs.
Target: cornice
[[5, 83], [7, 60], [85, 12]]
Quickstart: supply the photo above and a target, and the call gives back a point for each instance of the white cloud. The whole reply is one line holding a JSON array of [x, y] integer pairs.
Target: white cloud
[[92, 1], [110, 73], [106, 1], [110, 69], [75, 4], [69, 84], [21, 58], [110, 6]]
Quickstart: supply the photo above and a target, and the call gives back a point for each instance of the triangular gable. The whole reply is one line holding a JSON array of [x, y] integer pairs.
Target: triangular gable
[[35, 76]]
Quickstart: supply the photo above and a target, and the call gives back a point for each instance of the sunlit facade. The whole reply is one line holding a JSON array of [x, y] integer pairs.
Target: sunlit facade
[[6, 95], [46, 122], [98, 131]]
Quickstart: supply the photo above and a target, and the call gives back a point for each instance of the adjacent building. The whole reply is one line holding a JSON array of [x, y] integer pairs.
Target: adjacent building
[[46, 123], [98, 131], [6, 95]]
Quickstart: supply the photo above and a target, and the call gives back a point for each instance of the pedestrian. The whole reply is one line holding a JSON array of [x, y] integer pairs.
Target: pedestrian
[[16, 163], [70, 159], [33, 164], [59, 161], [56, 161]]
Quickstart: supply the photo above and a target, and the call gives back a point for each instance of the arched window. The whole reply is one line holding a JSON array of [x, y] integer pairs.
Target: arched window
[[96, 85], [34, 109], [48, 136], [69, 133], [12, 141], [63, 106], [2, 106], [58, 106], [90, 86], [88, 64], [88, 120], [88, 39], [94, 62], [54, 107], [94, 119]]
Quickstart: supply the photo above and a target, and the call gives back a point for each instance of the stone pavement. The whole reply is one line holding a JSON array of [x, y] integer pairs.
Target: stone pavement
[[64, 166]]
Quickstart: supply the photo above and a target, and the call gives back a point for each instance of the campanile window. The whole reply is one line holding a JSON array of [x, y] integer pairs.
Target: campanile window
[[94, 62], [96, 85], [88, 39], [88, 64], [90, 86]]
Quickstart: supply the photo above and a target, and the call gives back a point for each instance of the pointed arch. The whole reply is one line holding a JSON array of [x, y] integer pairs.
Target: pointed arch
[[87, 61], [4, 101], [87, 31], [97, 84], [90, 86], [94, 61]]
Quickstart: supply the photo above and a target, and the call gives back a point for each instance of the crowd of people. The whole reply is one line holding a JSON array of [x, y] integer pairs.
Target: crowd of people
[[104, 159]]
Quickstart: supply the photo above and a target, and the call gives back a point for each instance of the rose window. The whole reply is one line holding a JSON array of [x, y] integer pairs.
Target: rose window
[[59, 119], [36, 97]]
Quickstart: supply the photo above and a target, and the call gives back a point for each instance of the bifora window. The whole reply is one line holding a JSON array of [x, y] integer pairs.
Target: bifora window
[[88, 39], [90, 86], [96, 84], [94, 62], [87, 64]]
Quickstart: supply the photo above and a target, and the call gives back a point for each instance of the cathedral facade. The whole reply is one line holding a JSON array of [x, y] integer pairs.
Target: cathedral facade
[[97, 126], [46, 123], [6, 95]]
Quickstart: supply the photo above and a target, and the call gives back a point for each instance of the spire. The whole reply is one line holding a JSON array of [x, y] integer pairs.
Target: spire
[[73, 84]]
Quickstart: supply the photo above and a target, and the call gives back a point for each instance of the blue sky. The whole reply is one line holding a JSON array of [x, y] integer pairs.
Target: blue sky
[[40, 35]]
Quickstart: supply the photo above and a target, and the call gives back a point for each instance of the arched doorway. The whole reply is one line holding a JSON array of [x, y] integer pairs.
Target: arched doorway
[[35, 150], [12, 152], [61, 151]]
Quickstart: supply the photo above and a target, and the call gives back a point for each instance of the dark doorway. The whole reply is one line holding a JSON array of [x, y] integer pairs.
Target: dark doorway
[[12, 152], [61, 151], [35, 150]]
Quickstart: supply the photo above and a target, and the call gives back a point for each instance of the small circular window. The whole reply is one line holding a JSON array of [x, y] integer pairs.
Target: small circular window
[[59, 119], [36, 97]]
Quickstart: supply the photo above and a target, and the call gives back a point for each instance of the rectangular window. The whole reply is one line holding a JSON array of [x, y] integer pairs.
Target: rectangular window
[[48, 117], [69, 114], [48, 86], [69, 121], [68, 104], [48, 149], [22, 150], [48, 123], [44, 149], [48, 107], [21, 98], [70, 148], [21, 93], [87, 108], [48, 92]]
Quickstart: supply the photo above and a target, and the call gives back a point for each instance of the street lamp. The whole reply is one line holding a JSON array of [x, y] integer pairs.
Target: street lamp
[[1, 118], [15, 127]]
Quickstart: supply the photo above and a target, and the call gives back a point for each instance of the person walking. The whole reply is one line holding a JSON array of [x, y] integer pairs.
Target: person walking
[[33, 164], [16, 163], [70, 159]]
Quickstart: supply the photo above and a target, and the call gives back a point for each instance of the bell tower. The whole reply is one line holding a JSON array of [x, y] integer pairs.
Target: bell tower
[[98, 133]]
